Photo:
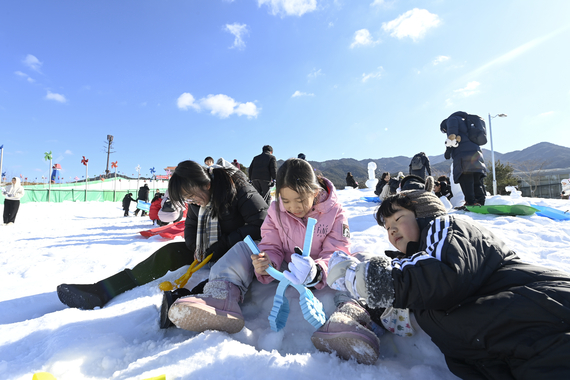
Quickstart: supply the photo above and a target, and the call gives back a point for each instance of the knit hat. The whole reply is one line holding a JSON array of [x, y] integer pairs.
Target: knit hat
[[427, 204]]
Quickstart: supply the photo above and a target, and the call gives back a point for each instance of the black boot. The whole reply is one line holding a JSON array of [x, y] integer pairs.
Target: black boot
[[90, 296], [168, 299]]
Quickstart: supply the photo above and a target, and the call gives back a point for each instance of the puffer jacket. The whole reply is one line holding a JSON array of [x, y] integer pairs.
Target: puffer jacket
[[467, 156], [282, 232], [480, 304], [14, 192], [244, 216]]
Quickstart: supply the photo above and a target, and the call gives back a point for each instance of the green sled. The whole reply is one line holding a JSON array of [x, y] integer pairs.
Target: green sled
[[511, 210]]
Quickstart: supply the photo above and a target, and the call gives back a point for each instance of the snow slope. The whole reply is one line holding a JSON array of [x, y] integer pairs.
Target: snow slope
[[85, 242]]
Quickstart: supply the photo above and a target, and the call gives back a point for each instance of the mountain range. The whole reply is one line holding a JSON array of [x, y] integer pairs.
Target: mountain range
[[550, 156]]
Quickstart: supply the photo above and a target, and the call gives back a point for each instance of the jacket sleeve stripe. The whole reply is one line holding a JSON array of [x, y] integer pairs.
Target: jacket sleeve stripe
[[436, 236]]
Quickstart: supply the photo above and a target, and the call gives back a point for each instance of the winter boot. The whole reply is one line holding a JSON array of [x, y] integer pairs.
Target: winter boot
[[216, 309], [168, 299], [348, 333], [90, 296]]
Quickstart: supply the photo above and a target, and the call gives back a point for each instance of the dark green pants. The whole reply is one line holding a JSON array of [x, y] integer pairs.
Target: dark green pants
[[168, 258]]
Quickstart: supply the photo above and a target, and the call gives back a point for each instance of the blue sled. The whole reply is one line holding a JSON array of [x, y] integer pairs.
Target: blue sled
[[312, 308], [142, 205], [371, 199], [552, 213]]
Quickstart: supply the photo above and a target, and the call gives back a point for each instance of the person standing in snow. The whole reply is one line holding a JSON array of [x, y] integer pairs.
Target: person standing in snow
[[469, 168], [492, 315], [142, 196], [224, 209], [262, 172], [127, 199], [300, 195], [12, 193]]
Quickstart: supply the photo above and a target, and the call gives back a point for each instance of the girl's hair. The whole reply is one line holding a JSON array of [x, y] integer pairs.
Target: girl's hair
[[298, 175], [387, 208], [191, 178], [384, 175]]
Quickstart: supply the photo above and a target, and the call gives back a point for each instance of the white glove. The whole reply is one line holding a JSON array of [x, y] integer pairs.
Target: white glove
[[302, 269], [451, 143], [342, 271]]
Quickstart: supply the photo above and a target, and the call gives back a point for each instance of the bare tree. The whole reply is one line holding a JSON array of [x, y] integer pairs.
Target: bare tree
[[531, 171]]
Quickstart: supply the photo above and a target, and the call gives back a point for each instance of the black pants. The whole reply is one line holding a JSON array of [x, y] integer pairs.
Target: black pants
[[10, 210], [262, 187], [473, 188]]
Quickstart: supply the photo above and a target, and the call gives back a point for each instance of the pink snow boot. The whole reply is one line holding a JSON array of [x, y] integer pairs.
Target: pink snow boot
[[347, 332], [216, 309]]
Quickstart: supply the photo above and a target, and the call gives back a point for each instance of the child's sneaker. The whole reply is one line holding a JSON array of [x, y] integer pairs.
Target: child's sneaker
[[347, 332], [216, 309]]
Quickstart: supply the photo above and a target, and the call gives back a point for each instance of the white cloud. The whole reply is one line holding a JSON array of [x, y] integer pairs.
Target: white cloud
[[32, 62], [314, 74], [546, 113], [299, 93], [289, 7], [187, 100], [413, 24], [468, 90], [440, 59], [68, 152], [238, 30], [24, 75], [57, 97], [377, 74], [220, 105], [362, 37]]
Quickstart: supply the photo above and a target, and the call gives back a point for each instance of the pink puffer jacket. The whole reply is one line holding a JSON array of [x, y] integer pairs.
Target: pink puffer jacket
[[281, 232]]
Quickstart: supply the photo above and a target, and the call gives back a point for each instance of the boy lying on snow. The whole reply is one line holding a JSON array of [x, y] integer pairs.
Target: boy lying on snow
[[492, 315]]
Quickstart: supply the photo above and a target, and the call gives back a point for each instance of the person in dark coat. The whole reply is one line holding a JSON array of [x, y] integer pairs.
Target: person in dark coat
[[492, 315], [384, 179], [350, 181], [143, 196], [262, 172], [419, 165], [127, 199], [219, 196], [469, 168]]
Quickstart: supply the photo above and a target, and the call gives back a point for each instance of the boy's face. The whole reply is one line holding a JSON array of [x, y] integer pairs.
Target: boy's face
[[402, 228]]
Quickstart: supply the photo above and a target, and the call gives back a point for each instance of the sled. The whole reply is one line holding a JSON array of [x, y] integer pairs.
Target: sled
[[371, 199], [552, 213], [169, 231], [312, 308], [142, 205], [510, 210]]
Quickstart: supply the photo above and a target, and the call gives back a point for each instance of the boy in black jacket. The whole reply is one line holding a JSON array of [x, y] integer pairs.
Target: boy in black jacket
[[491, 315]]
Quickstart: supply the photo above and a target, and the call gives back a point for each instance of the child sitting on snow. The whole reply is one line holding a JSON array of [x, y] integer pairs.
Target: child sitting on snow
[[300, 195], [491, 315]]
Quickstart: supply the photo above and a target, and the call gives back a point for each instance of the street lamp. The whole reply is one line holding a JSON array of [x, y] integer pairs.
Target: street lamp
[[492, 151]]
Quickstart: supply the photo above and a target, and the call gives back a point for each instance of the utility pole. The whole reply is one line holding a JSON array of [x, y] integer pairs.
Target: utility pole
[[110, 142]]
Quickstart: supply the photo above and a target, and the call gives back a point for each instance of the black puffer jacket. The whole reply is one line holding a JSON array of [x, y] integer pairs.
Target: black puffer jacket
[[244, 216], [263, 167], [487, 311], [467, 157]]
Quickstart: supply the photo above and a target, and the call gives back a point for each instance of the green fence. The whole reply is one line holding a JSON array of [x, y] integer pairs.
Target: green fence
[[76, 195]]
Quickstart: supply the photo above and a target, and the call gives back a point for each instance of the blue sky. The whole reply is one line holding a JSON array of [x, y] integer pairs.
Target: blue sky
[[176, 80]]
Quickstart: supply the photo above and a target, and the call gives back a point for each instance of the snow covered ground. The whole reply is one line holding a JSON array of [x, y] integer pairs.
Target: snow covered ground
[[85, 242]]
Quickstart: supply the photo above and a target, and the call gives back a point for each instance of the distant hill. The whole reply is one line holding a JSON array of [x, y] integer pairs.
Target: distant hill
[[556, 156]]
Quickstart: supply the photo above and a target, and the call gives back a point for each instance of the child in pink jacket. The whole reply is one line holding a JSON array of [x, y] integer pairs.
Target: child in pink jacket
[[300, 194]]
